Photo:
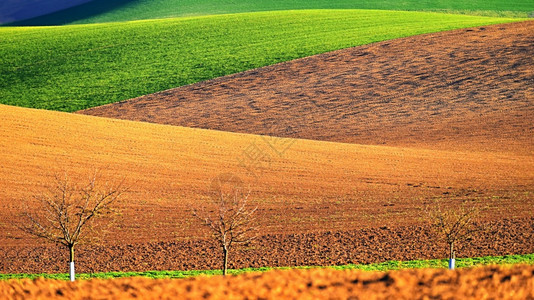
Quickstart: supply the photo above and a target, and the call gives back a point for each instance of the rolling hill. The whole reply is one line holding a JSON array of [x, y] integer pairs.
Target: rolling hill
[[98, 11], [444, 116], [356, 203], [69, 68], [469, 89], [297, 183]]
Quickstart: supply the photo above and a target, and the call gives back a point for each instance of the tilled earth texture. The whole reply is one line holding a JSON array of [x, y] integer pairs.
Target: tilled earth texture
[[368, 245], [378, 193], [488, 282], [454, 111], [468, 89]]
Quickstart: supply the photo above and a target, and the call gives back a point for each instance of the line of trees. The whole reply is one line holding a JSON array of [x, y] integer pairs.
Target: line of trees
[[65, 215]]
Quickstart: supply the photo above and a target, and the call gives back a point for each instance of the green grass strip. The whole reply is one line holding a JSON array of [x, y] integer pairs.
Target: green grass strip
[[384, 266], [68, 68]]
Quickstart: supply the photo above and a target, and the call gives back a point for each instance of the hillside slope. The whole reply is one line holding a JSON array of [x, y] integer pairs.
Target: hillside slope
[[299, 185], [98, 11], [69, 68], [470, 89]]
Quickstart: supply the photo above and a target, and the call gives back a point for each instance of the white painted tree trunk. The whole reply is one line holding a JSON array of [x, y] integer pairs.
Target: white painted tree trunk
[[452, 263], [452, 256], [71, 271]]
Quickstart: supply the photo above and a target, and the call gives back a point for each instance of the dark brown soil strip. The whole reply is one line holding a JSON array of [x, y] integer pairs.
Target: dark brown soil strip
[[368, 245], [469, 89]]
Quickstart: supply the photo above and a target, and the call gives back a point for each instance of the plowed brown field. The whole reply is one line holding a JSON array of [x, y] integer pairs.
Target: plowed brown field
[[310, 186], [490, 282], [362, 246], [453, 111], [469, 89]]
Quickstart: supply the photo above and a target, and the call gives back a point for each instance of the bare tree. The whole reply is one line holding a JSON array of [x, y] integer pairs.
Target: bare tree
[[456, 224], [64, 214], [228, 216]]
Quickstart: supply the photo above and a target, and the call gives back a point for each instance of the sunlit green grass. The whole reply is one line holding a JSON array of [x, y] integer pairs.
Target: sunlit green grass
[[98, 11], [74, 67], [385, 266]]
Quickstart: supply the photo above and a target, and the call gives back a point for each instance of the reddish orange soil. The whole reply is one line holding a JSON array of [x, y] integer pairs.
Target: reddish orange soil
[[313, 187], [488, 282], [468, 89]]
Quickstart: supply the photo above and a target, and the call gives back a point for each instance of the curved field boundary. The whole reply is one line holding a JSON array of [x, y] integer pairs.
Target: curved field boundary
[[299, 186], [69, 68], [468, 89], [98, 11]]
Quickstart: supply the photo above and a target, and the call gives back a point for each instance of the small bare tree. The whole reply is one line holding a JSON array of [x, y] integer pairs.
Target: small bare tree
[[228, 216], [64, 214], [456, 224]]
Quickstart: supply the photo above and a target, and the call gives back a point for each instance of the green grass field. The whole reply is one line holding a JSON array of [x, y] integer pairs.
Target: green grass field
[[98, 11], [385, 266], [74, 67]]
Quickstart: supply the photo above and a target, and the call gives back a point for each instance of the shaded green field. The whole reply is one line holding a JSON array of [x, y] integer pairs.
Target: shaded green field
[[69, 68], [98, 11], [385, 266]]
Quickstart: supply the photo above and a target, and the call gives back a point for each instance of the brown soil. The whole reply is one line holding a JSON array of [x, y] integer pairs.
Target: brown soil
[[468, 89], [488, 282], [313, 187], [362, 246], [315, 199]]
